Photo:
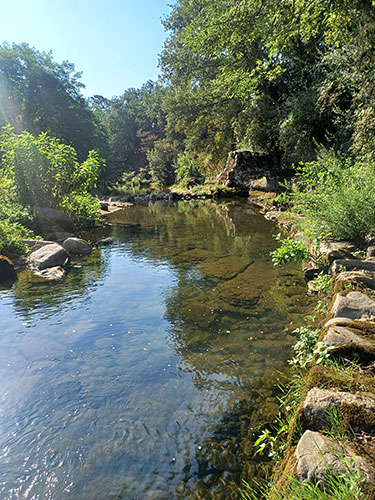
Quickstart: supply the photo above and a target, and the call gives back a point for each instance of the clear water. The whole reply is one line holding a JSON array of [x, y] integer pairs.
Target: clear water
[[145, 372]]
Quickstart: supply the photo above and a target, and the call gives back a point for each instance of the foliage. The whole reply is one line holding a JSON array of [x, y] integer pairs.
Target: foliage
[[304, 347], [290, 251], [187, 171], [323, 282], [11, 235], [42, 171], [39, 95], [82, 207], [339, 196], [162, 163], [344, 486]]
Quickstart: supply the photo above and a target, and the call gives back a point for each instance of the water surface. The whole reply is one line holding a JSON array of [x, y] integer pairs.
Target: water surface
[[145, 373]]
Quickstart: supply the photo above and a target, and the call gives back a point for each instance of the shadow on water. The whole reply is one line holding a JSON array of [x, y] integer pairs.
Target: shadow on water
[[146, 372]]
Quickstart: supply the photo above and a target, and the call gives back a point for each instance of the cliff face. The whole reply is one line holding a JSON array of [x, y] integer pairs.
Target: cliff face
[[243, 167]]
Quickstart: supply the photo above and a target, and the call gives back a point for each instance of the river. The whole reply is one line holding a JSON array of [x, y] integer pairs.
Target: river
[[145, 373]]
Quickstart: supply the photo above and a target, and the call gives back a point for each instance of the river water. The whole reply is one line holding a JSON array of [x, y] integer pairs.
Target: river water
[[145, 373]]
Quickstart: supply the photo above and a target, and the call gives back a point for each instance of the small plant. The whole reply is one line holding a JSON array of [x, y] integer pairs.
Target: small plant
[[290, 251], [322, 351], [304, 347], [321, 307], [336, 425], [323, 282], [273, 443]]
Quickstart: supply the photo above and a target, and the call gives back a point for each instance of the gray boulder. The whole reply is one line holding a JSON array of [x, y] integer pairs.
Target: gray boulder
[[47, 256], [317, 454], [352, 265], [334, 250], [319, 401], [354, 305], [60, 218], [77, 246], [339, 336], [264, 184], [363, 278]]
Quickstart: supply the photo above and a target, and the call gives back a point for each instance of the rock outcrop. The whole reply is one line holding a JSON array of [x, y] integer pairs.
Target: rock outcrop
[[354, 305]]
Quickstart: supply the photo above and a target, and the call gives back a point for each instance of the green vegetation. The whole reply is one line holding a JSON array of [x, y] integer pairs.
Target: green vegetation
[[41, 171], [291, 250]]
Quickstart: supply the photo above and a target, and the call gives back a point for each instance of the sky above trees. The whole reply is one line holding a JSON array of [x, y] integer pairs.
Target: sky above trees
[[114, 43]]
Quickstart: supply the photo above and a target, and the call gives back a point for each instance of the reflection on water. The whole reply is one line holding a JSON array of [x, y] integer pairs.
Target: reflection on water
[[144, 373]]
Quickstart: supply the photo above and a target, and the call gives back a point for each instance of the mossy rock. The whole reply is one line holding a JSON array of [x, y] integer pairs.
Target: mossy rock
[[225, 267]]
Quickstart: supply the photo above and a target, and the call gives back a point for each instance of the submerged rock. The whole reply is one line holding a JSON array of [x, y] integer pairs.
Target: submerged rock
[[317, 455], [105, 241], [7, 271], [319, 401], [77, 246], [47, 256], [52, 273], [225, 267], [354, 305]]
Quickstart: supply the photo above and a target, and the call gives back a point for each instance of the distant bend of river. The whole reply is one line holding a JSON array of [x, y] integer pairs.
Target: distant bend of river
[[145, 373]]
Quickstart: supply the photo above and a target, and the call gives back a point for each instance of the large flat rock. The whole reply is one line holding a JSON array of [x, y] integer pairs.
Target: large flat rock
[[317, 454], [354, 305], [352, 265], [319, 401], [363, 278], [339, 336], [52, 255]]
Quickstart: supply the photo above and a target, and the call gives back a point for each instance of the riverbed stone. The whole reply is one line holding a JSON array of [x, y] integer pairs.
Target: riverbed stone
[[338, 321], [77, 246], [319, 401], [225, 267], [47, 256], [317, 454], [352, 265], [52, 273], [7, 271], [333, 250], [310, 270], [105, 241], [363, 278], [354, 305], [58, 236], [339, 336]]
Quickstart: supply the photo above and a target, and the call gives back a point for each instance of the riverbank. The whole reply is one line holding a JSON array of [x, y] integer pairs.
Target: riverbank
[[330, 406]]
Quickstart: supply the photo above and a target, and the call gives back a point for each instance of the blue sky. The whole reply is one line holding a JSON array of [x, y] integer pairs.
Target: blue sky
[[114, 42]]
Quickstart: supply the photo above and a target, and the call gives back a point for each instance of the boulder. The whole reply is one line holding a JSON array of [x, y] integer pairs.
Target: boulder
[[363, 278], [319, 401], [352, 265], [334, 250], [354, 305], [58, 236], [60, 218], [338, 322], [7, 271], [52, 273], [36, 244], [103, 205], [264, 184], [317, 454], [339, 336], [77, 246], [310, 270], [47, 256]]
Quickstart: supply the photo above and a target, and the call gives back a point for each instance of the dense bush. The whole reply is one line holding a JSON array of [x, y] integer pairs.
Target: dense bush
[[187, 171], [337, 195], [162, 163], [11, 235]]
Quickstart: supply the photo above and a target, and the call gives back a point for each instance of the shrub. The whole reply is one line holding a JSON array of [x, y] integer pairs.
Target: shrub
[[290, 251], [338, 195], [82, 208], [162, 163], [11, 235], [304, 347], [187, 170]]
